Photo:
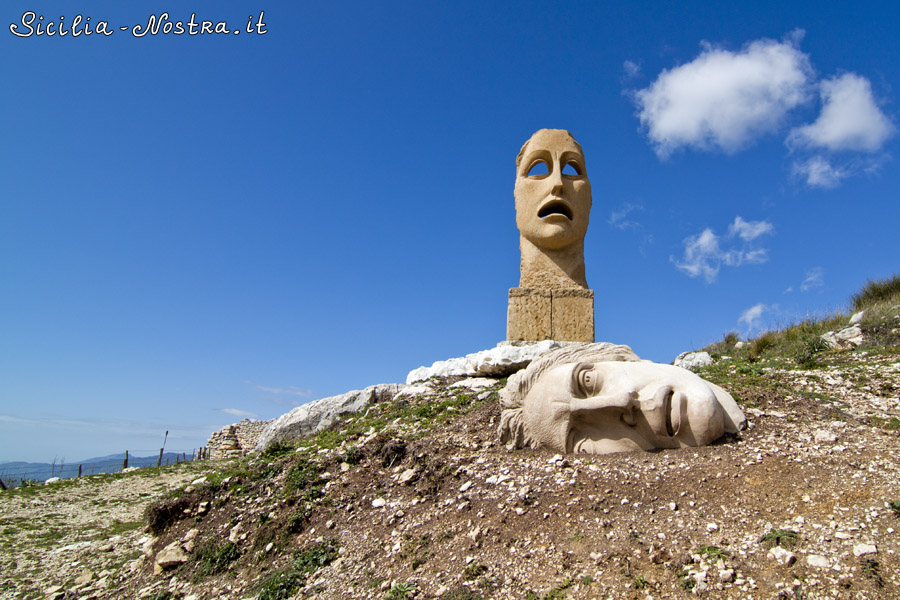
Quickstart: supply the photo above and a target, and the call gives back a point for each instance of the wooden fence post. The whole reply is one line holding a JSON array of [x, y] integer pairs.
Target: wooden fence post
[[159, 460], [79, 470], [125, 462], [2, 485]]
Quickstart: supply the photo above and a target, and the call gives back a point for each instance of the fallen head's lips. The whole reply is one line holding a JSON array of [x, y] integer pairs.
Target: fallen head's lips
[[556, 207]]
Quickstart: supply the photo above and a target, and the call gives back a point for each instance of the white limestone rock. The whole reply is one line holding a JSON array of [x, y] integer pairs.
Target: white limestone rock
[[845, 339], [500, 361], [475, 383], [321, 414], [782, 556], [693, 360], [856, 318], [171, 556], [818, 561]]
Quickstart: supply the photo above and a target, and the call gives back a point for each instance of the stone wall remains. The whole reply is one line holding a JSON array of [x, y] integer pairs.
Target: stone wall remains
[[235, 440]]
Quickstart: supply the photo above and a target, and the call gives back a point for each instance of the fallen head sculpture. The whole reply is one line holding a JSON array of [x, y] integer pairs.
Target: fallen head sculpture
[[553, 206], [601, 398]]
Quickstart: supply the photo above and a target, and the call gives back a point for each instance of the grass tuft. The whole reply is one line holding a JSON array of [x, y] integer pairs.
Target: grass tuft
[[877, 292]]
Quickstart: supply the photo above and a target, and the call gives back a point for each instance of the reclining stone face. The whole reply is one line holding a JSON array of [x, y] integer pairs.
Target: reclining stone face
[[601, 398]]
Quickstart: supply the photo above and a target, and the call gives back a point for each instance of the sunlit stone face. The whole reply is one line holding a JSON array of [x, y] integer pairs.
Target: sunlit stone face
[[609, 407], [553, 194]]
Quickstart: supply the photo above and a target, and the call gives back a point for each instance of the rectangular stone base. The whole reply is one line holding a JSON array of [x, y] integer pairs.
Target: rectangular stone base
[[539, 314]]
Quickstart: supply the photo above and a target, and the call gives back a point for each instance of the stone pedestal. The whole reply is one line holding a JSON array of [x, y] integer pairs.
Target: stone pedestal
[[565, 315]]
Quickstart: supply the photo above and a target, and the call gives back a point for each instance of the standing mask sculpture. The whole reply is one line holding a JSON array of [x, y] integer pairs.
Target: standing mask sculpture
[[601, 398], [553, 205]]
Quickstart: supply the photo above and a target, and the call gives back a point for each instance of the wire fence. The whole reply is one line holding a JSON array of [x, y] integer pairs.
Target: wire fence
[[18, 474]]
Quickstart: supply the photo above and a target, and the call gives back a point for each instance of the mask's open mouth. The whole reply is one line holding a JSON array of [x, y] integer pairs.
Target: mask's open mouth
[[556, 207]]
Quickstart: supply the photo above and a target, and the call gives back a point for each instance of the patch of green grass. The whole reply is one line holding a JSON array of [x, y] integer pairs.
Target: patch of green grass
[[119, 527], [586, 580], [212, 559], [640, 582], [276, 450], [402, 591], [779, 537], [759, 346], [280, 585], [316, 556], [284, 583], [555, 594], [895, 506], [302, 475], [871, 569], [876, 292], [712, 553], [474, 570]]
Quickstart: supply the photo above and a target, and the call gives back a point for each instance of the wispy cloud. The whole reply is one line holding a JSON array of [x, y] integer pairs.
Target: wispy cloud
[[749, 230], [850, 118], [724, 100], [704, 254], [238, 413], [632, 69], [819, 172], [752, 315], [619, 217], [814, 278]]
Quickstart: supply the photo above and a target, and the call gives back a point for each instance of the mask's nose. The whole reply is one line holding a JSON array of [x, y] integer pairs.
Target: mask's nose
[[556, 182]]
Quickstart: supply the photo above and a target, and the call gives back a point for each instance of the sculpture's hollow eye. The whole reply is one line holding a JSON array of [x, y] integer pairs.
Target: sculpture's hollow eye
[[539, 168], [572, 168]]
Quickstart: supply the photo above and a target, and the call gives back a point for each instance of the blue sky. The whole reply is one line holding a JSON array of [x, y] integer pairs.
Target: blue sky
[[198, 228]]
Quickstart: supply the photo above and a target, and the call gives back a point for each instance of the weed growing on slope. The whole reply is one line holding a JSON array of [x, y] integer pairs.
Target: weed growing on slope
[[284, 583], [878, 291], [779, 537], [213, 559]]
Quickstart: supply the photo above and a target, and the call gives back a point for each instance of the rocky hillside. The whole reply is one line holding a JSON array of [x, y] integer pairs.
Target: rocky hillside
[[415, 498]]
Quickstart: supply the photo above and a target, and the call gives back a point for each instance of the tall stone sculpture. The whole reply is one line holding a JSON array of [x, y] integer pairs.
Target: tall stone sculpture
[[601, 398], [553, 205]]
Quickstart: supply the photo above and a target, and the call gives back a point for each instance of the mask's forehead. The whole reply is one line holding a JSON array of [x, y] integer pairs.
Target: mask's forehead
[[554, 141]]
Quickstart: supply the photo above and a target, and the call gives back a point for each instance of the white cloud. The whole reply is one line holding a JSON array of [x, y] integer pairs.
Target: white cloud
[[724, 99], [632, 69], [820, 173], [753, 314], [704, 254], [850, 118], [814, 278], [238, 413], [619, 218], [749, 230]]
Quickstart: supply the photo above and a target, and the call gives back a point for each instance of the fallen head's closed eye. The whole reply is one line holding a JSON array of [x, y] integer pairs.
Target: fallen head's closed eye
[[585, 381]]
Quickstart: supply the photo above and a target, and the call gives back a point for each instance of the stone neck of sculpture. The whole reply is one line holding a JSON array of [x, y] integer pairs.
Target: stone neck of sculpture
[[552, 269]]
